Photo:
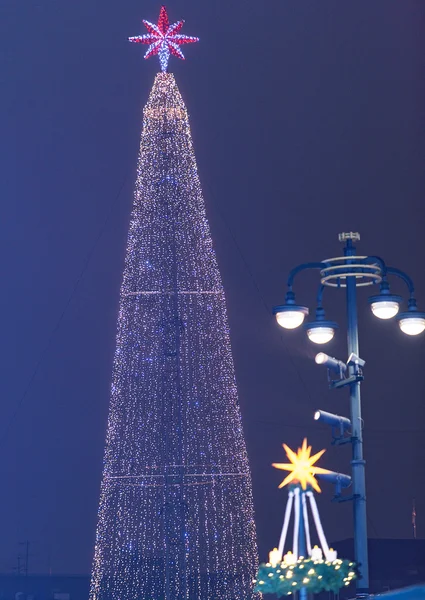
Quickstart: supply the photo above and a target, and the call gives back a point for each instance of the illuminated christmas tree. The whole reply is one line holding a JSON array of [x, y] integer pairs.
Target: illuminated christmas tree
[[305, 568], [176, 515]]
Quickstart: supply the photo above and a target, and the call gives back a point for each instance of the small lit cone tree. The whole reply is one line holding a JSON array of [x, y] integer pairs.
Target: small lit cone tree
[[303, 568]]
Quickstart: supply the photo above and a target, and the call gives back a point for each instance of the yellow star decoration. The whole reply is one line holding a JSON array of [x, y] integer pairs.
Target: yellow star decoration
[[301, 467]]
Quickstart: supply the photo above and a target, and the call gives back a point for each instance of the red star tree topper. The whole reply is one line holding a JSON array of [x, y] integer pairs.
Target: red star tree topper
[[163, 39]]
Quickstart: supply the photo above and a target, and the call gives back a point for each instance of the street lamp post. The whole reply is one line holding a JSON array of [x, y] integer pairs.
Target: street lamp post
[[349, 272], [357, 462]]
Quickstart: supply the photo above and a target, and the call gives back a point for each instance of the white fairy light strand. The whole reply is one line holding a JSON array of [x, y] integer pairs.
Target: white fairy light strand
[[176, 513]]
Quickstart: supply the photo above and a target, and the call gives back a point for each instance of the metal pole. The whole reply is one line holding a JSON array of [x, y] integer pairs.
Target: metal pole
[[357, 463]]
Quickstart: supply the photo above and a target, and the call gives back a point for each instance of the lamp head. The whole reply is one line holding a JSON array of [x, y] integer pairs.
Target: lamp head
[[320, 331], [290, 315], [333, 420], [385, 305], [412, 322], [333, 364]]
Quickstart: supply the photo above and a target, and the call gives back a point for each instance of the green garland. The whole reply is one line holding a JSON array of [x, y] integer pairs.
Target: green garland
[[315, 576]]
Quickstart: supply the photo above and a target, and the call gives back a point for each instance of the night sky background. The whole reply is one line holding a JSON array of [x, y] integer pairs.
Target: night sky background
[[308, 119]]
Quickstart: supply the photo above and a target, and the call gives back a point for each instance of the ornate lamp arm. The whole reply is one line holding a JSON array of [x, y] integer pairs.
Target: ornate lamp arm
[[320, 295], [379, 260], [402, 275], [303, 267]]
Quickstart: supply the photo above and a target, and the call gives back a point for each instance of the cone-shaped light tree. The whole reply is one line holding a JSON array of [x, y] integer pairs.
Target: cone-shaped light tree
[[304, 568], [176, 515]]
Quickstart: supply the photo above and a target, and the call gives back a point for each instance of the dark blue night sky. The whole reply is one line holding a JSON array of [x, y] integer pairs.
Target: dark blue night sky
[[308, 119]]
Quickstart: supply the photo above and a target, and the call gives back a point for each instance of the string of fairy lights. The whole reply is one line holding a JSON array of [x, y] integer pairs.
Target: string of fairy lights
[[176, 513]]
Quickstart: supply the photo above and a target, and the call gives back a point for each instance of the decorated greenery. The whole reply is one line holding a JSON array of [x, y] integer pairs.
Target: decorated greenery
[[288, 573], [313, 575]]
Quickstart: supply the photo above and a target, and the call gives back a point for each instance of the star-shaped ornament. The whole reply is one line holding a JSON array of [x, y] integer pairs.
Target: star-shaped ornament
[[163, 39], [301, 467]]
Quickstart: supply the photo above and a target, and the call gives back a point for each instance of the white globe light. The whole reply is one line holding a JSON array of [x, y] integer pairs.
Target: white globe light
[[290, 319], [320, 335], [412, 325], [385, 309]]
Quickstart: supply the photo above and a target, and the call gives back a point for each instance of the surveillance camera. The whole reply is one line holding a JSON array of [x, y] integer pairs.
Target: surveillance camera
[[355, 361]]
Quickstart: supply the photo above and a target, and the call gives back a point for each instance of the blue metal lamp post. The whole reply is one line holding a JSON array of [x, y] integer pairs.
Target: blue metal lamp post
[[349, 272]]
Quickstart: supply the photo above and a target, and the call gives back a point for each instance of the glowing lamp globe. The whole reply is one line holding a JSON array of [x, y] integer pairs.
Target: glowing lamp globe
[[320, 331], [320, 335], [290, 316], [411, 323], [385, 309], [386, 305]]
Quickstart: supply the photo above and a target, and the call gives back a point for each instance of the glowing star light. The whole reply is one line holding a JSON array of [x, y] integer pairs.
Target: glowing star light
[[301, 467], [163, 39]]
